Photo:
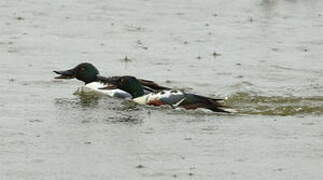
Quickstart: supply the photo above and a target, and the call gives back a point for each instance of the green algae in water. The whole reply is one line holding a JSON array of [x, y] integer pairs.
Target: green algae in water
[[250, 103]]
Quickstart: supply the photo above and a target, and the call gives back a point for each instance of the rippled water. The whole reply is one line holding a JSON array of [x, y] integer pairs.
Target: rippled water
[[248, 103], [263, 55]]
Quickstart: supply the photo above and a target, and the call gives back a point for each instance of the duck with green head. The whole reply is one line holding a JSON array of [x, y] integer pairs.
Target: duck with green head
[[95, 83], [174, 98]]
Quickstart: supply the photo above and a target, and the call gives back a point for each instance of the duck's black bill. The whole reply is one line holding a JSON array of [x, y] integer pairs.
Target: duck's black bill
[[69, 74]]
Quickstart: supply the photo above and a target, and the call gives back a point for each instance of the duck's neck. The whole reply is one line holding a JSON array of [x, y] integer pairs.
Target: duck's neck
[[137, 93], [132, 86], [102, 78]]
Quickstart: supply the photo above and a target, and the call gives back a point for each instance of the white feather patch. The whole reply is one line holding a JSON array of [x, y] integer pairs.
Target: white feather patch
[[170, 97], [94, 87]]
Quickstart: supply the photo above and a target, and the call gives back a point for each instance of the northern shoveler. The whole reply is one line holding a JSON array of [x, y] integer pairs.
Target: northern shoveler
[[89, 74]]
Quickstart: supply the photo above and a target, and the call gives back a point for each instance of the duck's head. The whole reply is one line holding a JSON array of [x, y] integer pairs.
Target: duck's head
[[85, 72], [129, 84]]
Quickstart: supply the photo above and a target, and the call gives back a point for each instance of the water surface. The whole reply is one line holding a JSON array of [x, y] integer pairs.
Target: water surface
[[263, 55]]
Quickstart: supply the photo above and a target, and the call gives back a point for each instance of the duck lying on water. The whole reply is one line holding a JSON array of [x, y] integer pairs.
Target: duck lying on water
[[139, 90], [89, 74]]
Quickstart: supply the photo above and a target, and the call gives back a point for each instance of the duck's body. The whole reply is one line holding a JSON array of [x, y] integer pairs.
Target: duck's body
[[165, 97], [99, 88], [174, 98], [97, 84], [138, 90], [96, 88]]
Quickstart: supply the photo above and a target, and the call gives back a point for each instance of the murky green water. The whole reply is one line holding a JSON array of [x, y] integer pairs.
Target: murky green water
[[265, 56], [247, 103]]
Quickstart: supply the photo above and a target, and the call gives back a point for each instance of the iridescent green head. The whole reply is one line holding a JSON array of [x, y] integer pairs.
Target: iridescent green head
[[129, 84], [85, 72]]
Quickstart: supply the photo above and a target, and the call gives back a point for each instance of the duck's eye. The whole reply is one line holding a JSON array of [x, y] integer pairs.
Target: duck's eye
[[162, 92]]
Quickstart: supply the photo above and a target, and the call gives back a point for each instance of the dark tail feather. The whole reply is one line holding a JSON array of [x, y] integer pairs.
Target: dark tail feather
[[193, 101]]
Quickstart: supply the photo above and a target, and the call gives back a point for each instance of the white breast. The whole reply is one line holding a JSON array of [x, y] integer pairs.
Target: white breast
[[166, 96], [170, 96], [94, 88]]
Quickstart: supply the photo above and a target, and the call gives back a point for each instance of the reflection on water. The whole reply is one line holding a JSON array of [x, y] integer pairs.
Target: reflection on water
[[127, 119], [90, 108], [82, 101]]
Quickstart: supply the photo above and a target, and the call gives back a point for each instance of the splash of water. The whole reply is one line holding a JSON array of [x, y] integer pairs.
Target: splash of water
[[248, 103]]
